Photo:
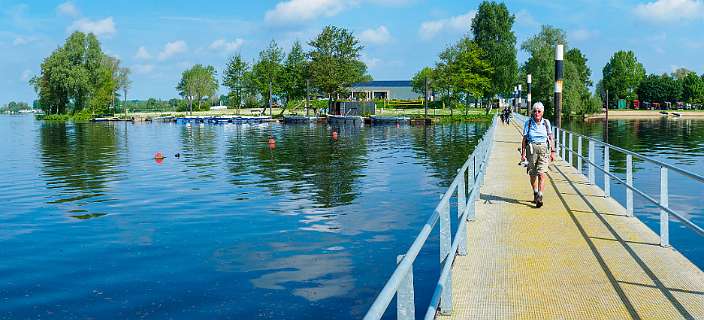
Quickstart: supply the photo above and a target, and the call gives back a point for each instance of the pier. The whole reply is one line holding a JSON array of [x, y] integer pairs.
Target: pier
[[582, 256]]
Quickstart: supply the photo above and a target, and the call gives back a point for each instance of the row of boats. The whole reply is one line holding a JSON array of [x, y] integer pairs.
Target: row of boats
[[333, 119]]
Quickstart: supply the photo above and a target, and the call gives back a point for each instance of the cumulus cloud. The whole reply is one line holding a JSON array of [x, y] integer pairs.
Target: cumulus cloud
[[298, 11], [671, 10], [379, 35], [227, 46], [456, 24], [143, 68], [173, 48], [105, 27], [371, 62], [67, 9], [20, 41], [142, 54]]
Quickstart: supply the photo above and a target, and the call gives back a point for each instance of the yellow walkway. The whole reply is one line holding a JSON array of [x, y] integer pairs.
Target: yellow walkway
[[578, 257]]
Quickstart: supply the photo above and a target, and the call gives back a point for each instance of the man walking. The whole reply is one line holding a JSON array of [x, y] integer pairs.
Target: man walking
[[537, 143]]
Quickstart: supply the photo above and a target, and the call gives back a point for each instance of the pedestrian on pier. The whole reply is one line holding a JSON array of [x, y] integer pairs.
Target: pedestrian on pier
[[538, 149]]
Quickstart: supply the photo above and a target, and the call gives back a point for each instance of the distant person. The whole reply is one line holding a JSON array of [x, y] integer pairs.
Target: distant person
[[537, 143]]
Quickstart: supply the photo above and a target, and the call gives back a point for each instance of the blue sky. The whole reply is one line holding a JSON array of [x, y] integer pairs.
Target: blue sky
[[159, 39]]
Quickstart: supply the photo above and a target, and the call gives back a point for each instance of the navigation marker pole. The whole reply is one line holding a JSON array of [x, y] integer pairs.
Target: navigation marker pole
[[520, 88], [530, 98], [559, 73]]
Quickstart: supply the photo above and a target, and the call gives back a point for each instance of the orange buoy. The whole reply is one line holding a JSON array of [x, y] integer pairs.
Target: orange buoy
[[158, 155]]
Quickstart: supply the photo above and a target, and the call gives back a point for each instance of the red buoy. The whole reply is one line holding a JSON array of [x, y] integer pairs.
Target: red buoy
[[158, 155]]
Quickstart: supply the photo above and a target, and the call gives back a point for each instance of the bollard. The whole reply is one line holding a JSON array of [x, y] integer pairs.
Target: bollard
[[592, 163], [607, 178], [405, 305], [664, 216], [579, 154], [629, 181]]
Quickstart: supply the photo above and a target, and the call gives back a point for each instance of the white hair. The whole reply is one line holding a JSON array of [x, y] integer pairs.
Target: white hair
[[538, 105]]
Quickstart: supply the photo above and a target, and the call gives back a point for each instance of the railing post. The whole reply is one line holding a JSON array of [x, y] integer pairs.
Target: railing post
[[592, 163], [607, 178], [664, 216], [579, 154], [557, 140], [445, 245], [564, 144], [629, 181], [571, 149], [405, 297], [461, 205]]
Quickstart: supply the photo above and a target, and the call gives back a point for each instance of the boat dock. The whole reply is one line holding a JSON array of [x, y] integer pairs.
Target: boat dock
[[581, 256]]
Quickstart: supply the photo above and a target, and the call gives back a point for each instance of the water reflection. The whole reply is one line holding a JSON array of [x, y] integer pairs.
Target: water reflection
[[80, 160]]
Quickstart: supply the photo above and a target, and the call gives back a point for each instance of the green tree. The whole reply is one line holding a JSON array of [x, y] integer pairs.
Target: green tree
[[234, 79], [622, 76], [471, 72], [693, 88], [418, 81], [295, 74], [492, 31], [334, 62], [681, 73], [267, 72], [124, 83], [196, 83]]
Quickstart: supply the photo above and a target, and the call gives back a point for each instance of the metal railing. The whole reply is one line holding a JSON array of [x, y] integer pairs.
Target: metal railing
[[564, 144], [400, 283]]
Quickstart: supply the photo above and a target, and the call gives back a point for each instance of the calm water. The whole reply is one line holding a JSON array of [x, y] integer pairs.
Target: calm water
[[93, 227], [675, 141]]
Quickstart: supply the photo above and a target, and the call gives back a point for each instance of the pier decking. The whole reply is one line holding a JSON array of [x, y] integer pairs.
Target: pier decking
[[579, 257]]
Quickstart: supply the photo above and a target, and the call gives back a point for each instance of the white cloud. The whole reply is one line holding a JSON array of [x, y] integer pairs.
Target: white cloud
[[67, 9], [524, 18], [671, 10], [369, 61], [298, 11], [456, 24], [143, 68], [20, 41], [172, 49], [26, 75], [379, 35], [225, 46], [143, 54], [582, 34], [105, 27]]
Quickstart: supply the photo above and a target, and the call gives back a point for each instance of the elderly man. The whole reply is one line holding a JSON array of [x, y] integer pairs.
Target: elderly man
[[538, 142]]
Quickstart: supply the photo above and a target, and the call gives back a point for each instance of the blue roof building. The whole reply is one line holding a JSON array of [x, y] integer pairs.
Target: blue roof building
[[384, 90]]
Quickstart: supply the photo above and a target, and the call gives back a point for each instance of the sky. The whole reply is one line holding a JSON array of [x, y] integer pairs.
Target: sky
[[157, 40]]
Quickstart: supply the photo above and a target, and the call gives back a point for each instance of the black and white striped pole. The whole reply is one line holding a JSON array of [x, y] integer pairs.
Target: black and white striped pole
[[520, 88], [559, 73], [530, 88]]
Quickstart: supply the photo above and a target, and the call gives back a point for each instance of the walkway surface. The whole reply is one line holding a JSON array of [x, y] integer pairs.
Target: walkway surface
[[578, 257]]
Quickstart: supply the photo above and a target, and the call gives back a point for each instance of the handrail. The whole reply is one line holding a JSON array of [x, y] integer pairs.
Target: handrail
[[662, 204], [401, 280]]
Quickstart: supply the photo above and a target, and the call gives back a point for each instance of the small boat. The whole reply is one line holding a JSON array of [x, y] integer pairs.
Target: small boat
[[110, 119], [300, 119], [676, 114], [664, 113]]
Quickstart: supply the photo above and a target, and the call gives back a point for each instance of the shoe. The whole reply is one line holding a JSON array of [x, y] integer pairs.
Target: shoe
[[535, 197], [539, 201]]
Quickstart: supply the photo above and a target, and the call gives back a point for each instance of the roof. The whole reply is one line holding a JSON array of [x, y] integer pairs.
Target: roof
[[388, 83]]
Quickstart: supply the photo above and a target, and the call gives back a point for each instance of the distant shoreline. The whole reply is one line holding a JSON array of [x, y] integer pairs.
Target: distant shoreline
[[632, 114]]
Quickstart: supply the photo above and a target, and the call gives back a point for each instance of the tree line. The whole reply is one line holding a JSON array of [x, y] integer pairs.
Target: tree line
[[78, 77], [329, 69], [625, 78]]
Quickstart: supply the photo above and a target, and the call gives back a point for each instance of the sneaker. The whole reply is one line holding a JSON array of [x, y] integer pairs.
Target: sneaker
[[539, 200], [535, 197]]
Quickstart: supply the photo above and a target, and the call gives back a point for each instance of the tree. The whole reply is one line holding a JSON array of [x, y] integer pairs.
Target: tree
[[418, 81], [196, 83], [622, 76], [267, 72], [492, 31], [234, 78], [124, 83], [693, 88], [681, 73], [295, 74], [334, 62]]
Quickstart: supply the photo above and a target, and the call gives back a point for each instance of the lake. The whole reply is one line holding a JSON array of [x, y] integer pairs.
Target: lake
[[94, 227]]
